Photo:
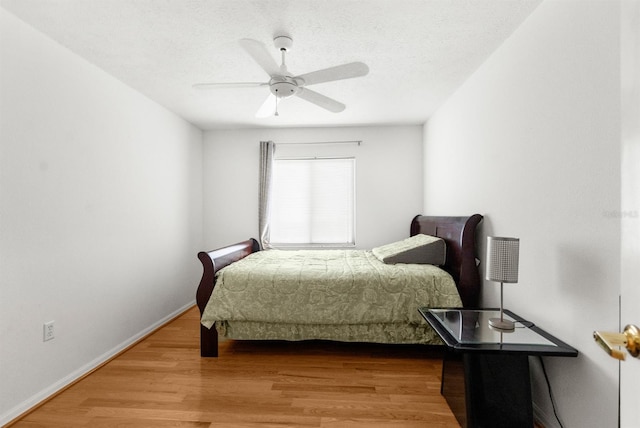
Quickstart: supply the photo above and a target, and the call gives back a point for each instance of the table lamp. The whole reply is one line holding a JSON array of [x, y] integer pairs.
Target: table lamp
[[502, 267]]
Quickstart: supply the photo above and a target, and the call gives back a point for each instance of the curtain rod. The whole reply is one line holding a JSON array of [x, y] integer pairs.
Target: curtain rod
[[358, 142]]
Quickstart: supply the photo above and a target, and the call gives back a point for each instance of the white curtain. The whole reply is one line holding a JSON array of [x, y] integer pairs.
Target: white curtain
[[267, 151]]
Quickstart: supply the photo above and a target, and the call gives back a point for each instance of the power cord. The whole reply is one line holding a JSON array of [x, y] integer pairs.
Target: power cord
[[553, 404]]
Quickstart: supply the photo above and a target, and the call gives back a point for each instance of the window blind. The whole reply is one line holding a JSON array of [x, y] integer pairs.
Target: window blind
[[313, 202]]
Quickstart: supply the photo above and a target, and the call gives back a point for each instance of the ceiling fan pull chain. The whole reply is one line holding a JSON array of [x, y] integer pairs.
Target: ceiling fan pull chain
[[276, 97]]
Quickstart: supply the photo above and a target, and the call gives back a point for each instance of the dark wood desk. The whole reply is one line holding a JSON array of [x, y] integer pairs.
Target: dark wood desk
[[485, 372]]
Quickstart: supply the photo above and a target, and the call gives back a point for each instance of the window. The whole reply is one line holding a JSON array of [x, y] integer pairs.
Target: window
[[313, 202]]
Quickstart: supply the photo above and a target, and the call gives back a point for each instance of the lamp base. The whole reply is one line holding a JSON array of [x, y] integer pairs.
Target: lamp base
[[502, 324]]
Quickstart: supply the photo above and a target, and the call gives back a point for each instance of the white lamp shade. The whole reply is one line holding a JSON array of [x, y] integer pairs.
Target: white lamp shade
[[502, 259]]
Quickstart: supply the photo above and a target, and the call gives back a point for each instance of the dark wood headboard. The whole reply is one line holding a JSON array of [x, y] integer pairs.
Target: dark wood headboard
[[459, 233]]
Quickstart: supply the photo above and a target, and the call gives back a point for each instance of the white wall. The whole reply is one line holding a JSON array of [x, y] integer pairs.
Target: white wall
[[533, 141], [388, 179], [100, 210]]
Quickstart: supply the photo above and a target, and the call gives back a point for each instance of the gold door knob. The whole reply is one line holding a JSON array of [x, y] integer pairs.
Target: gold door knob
[[630, 338]]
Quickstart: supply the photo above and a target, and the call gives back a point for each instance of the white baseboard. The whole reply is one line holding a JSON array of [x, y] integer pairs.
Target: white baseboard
[[90, 366]]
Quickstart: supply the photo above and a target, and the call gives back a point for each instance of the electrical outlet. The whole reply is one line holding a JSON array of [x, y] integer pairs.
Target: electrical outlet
[[48, 332]]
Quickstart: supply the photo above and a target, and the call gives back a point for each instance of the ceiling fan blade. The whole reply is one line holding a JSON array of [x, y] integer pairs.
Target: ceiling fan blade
[[320, 100], [229, 85], [339, 72], [259, 53], [268, 107]]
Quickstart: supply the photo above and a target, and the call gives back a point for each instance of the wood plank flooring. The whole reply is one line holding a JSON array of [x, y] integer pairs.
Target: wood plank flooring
[[163, 382]]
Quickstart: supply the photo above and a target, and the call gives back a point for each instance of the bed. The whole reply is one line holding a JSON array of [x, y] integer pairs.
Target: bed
[[377, 303]]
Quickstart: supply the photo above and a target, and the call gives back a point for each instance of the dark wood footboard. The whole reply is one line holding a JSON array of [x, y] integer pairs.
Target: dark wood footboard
[[212, 262]]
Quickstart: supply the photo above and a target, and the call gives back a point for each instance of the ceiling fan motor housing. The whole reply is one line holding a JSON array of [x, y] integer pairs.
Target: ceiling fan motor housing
[[283, 87]]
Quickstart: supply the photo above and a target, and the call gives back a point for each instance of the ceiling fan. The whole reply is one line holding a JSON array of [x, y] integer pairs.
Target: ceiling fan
[[283, 84]]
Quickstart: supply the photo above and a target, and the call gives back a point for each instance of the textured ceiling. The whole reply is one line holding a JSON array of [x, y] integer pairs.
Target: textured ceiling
[[418, 51]]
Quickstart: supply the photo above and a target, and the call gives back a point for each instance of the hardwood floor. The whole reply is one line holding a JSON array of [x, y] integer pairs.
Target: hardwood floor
[[163, 382]]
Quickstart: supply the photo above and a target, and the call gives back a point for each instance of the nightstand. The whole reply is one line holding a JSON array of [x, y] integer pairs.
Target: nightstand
[[485, 372]]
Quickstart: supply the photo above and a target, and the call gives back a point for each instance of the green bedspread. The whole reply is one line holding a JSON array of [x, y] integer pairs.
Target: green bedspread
[[325, 288]]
